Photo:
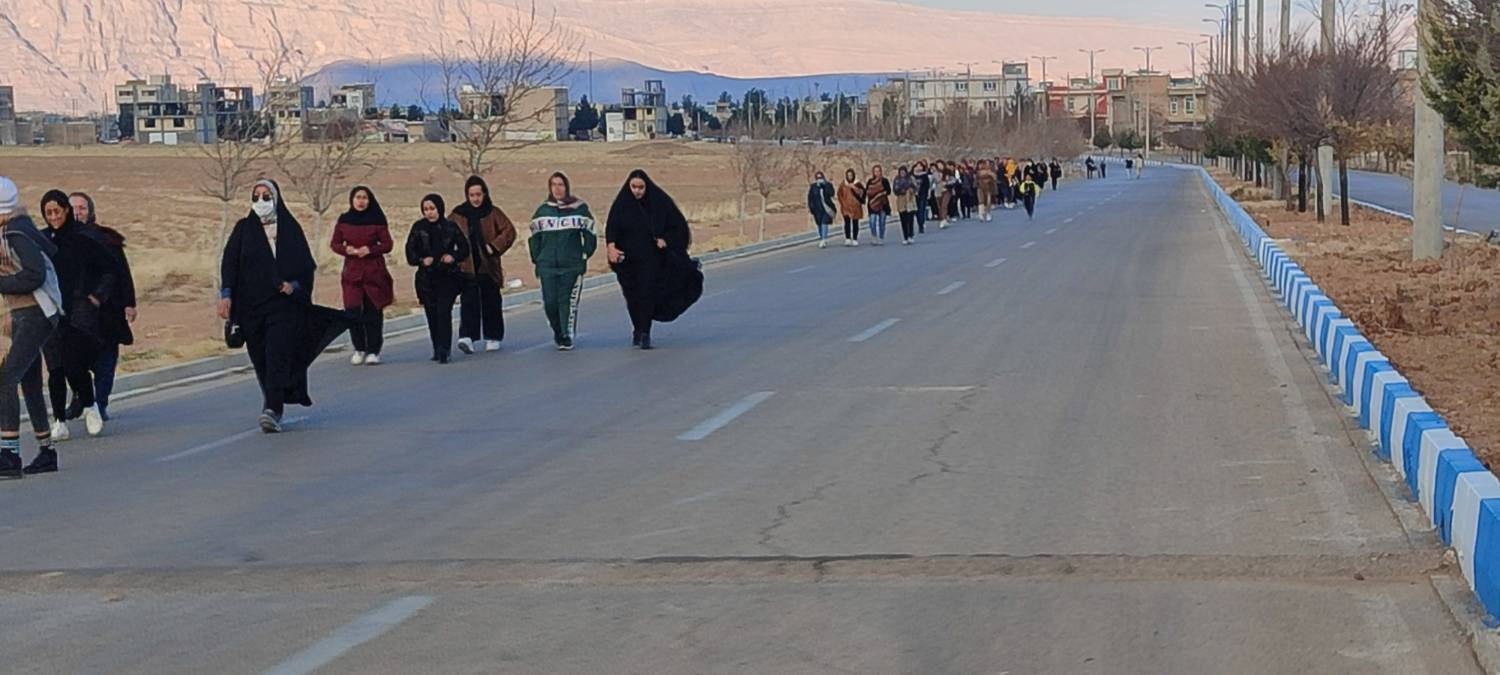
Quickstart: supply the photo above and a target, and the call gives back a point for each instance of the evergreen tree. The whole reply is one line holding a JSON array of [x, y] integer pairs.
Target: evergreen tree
[[1103, 140], [1462, 83], [397, 112], [584, 118], [675, 125]]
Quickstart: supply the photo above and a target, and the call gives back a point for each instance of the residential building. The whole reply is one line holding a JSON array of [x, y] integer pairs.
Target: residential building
[[287, 103], [7, 115], [359, 97], [1072, 100], [157, 110], [538, 114], [1132, 96], [1187, 103], [644, 110]]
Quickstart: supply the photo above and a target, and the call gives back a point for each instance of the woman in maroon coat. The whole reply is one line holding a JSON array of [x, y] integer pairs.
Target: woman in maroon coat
[[363, 237]]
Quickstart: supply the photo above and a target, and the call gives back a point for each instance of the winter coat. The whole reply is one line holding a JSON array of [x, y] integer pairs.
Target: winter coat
[[435, 240], [113, 326], [852, 200], [562, 237], [367, 276], [820, 202], [496, 235], [1056, 170], [987, 181], [878, 196], [905, 195], [924, 185], [85, 268], [27, 277]]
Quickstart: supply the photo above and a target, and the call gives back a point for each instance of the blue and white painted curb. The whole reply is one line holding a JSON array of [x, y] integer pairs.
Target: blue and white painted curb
[[1460, 497]]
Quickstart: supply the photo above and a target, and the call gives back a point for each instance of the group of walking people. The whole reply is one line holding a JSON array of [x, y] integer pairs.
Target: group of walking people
[[943, 192], [69, 302], [268, 272]]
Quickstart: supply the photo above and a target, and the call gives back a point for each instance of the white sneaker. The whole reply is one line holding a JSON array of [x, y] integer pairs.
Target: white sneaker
[[855, 243], [60, 431], [93, 421], [906, 242], [492, 346], [823, 244], [466, 345], [358, 359], [372, 360]]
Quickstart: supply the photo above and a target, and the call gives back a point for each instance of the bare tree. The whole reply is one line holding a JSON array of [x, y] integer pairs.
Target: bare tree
[[761, 168], [335, 152], [238, 157], [510, 70]]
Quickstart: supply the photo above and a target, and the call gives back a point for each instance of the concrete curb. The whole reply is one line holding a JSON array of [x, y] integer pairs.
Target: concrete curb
[[1458, 495], [1407, 216], [203, 370]]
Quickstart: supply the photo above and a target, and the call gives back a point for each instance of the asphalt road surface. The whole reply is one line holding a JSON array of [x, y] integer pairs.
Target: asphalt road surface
[[1466, 207], [1086, 443]]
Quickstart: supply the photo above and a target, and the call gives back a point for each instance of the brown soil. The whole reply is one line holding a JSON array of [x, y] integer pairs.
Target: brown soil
[[149, 194], [1438, 322]]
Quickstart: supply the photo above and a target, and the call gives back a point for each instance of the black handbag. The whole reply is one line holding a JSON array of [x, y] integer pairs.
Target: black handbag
[[234, 337]]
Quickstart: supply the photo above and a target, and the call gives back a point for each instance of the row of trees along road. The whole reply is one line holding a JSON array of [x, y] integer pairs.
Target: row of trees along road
[[1300, 97]]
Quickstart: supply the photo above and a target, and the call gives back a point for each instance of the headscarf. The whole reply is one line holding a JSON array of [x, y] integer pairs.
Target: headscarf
[[437, 200], [469, 211], [293, 256], [659, 209], [568, 200], [61, 199], [93, 215], [372, 215]]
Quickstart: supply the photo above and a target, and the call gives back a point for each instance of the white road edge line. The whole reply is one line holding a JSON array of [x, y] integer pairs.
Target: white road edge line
[[952, 287], [362, 629], [800, 270], [874, 330], [719, 421], [995, 263], [243, 435], [549, 343], [1051, 231], [1028, 244], [1065, 222]]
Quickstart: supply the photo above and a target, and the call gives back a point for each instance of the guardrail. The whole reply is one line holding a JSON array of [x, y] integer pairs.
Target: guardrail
[[1458, 494]]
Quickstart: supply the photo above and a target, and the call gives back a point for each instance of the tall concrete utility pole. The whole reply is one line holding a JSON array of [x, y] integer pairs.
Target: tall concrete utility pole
[[1428, 166], [1234, 36], [1093, 104], [1249, 55], [1325, 151], [1283, 187], [1260, 28]]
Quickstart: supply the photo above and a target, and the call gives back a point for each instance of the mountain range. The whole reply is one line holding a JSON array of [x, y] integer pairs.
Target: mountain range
[[68, 54]]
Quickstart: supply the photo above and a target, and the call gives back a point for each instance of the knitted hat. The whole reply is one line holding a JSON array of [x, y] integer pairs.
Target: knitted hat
[[10, 197]]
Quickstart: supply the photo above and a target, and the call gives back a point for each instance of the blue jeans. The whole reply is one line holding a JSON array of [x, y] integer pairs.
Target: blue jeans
[[877, 225], [822, 231], [104, 377]]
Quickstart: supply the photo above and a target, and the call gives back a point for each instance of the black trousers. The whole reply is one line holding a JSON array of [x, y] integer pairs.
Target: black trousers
[[638, 284], [273, 336], [851, 228], [22, 368], [368, 331], [908, 225], [1030, 202], [437, 304], [481, 315], [70, 353], [1054, 183]]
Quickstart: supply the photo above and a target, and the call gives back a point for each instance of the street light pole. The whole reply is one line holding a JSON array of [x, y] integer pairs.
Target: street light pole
[[1427, 156], [1093, 104], [1192, 57], [1147, 51]]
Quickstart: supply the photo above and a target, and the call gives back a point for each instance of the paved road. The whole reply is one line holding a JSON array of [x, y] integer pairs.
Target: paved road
[[1465, 207], [1009, 448]]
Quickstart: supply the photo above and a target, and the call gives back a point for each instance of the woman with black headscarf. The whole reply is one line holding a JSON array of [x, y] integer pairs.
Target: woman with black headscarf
[[648, 238], [363, 237], [266, 290], [490, 234], [86, 273], [116, 315], [435, 247]]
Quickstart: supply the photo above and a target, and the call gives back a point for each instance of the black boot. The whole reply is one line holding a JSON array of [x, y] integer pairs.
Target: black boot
[[635, 339], [44, 462], [10, 465], [645, 341]]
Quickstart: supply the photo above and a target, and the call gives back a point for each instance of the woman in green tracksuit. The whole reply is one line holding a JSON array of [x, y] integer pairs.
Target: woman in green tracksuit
[[562, 240]]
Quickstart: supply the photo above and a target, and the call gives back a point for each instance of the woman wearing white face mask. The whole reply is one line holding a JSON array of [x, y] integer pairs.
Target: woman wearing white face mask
[[267, 274]]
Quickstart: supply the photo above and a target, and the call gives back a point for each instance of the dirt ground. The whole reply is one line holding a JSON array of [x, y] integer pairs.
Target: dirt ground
[[1438, 322], [149, 193]]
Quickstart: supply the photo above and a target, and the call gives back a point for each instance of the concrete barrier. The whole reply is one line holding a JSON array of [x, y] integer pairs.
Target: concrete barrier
[[1460, 497]]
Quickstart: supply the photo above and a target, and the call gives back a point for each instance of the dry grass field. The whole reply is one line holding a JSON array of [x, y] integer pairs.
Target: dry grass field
[[149, 193]]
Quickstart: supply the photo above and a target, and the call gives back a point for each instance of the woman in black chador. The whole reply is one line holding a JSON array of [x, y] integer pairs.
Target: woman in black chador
[[648, 240], [266, 294]]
